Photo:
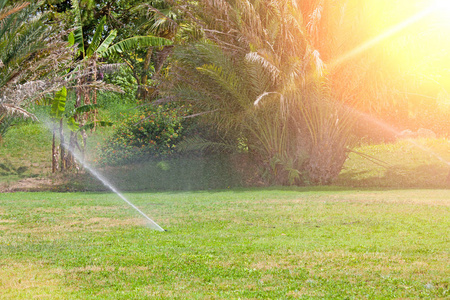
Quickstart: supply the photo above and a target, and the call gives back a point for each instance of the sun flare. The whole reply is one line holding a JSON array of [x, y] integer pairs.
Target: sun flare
[[443, 5], [441, 10]]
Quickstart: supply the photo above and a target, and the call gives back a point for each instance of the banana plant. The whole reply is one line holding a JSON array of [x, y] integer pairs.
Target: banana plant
[[99, 49], [59, 114], [105, 48], [91, 56], [102, 49]]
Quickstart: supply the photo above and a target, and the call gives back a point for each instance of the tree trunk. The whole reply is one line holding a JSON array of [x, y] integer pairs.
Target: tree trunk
[[160, 59], [325, 162], [54, 154], [94, 96], [70, 160], [63, 146], [142, 89], [83, 119]]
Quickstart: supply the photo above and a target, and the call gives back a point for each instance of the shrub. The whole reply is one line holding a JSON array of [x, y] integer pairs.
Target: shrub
[[113, 104], [152, 132]]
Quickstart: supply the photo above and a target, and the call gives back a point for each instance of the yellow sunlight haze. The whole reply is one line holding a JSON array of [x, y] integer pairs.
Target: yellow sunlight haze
[[443, 5]]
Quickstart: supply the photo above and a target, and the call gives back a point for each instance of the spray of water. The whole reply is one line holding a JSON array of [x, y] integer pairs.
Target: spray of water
[[152, 224], [369, 44]]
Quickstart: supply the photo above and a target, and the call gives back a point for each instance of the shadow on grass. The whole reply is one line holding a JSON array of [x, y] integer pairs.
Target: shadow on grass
[[423, 176]]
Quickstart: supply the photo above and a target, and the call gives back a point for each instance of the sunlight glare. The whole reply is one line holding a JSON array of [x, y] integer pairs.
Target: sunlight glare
[[378, 39], [442, 9], [443, 5]]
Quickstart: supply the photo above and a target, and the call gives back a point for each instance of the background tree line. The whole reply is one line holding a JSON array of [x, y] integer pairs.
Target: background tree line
[[270, 84]]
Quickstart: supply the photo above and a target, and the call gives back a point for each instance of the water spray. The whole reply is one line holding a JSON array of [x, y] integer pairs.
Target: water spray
[[152, 224]]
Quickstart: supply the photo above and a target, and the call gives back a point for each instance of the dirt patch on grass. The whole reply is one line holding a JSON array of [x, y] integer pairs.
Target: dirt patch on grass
[[110, 222], [64, 182], [27, 185], [7, 221], [92, 268], [6, 224], [405, 197], [66, 226]]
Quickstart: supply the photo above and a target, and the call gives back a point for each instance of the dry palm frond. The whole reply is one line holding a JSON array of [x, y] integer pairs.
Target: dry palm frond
[[110, 68], [315, 18], [260, 97], [162, 22], [12, 110], [12, 10], [265, 63], [318, 63]]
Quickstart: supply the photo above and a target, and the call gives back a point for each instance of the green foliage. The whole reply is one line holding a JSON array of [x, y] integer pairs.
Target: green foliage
[[112, 104], [7, 169], [59, 104], [124, 79], [151, 132], [20, 36], [25, 146], [96, 39], [77, 35], [259, 97], [133, 43], [6, 122], [32, 56], [104, 46]]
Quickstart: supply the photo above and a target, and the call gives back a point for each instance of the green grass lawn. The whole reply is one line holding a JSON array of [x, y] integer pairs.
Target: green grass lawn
[[25, 152], [233, 244]]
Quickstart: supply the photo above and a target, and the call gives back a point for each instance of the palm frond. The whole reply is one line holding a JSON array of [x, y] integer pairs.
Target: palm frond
[[265, 63], [104, 46], [96, 39], [12, 10], [78, 32], [16, 111], [135, 42]]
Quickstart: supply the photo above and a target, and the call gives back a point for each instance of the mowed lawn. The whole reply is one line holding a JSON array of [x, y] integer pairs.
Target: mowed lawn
[[235, 244]]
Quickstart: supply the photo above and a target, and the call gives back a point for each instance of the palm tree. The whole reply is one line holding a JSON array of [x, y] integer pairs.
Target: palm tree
[[300, 60], [260, 79], [158, 18], [18, 41], [29, 51]]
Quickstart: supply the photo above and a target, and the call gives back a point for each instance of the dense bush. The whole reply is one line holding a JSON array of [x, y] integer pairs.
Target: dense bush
[[152, 132], [114, 104]]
